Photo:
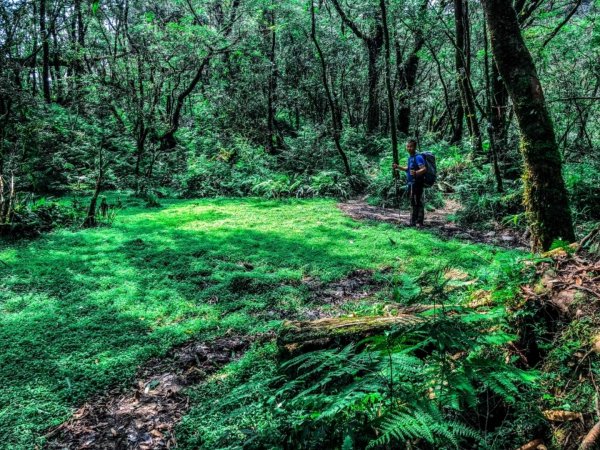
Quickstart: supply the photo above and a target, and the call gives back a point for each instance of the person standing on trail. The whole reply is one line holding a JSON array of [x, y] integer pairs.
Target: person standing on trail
[[415, 175]]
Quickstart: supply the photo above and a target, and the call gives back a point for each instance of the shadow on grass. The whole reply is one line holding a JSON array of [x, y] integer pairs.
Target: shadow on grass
[[80, 311]]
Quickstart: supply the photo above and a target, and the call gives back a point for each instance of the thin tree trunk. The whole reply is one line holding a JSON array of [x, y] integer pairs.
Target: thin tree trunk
[[407, 74], [459, 117], [335, 119], [90, 220], [45, 52], [272, 85], [449, 108], [56, 63], [390, 95], [374, 44], [498, 117], [80, 38], [463, 71], [33, 72], [374, 50], [546, 199], [491, 131]]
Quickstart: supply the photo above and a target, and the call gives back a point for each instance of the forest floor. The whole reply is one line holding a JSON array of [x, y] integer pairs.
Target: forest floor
[[117, 320]]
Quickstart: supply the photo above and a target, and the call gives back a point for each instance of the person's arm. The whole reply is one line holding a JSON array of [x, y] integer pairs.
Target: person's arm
[[398, 167], [422, 167], [421, 170]]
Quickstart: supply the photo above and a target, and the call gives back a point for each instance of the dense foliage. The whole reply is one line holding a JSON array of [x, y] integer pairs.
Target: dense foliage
[[230, 98]]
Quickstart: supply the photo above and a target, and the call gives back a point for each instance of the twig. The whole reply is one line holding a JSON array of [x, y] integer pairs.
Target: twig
[[589, 441], [562, 24], [586, 289]]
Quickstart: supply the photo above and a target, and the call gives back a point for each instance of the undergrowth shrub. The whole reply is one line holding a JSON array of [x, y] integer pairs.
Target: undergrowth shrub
[[582, 182], [32, 216], [240, 174], [482, 206]]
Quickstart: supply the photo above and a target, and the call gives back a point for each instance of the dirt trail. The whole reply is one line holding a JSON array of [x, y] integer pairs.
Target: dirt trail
[[436, 220], [144, 416]]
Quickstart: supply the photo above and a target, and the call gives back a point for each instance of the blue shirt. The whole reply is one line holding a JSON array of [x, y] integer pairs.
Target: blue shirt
[[414, 163]]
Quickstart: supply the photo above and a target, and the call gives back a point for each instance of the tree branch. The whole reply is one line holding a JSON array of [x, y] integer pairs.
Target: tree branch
[[359, 34], [562, 24]]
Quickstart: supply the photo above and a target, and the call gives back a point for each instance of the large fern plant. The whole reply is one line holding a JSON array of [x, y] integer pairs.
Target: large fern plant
[[417, 387]]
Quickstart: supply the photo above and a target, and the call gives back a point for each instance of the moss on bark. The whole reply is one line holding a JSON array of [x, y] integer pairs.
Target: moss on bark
[[546, 200]]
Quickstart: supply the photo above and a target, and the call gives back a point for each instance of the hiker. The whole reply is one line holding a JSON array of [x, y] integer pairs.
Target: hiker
[[415, 175]]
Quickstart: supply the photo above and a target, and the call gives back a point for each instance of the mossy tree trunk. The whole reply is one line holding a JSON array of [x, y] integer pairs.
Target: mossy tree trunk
[[390, 95], [546, 199], [301, 336]]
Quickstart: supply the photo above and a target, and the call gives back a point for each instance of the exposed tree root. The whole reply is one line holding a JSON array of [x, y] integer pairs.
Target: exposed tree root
[[533, 445], [590, 440]]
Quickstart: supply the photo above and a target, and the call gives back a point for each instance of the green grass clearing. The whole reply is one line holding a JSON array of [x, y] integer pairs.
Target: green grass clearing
[[80, 311]]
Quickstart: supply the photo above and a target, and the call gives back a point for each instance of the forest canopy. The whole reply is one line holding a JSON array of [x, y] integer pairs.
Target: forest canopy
[[292, 98]]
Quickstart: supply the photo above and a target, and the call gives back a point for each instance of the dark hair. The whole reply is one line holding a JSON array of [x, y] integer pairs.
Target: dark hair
[[411, 141]]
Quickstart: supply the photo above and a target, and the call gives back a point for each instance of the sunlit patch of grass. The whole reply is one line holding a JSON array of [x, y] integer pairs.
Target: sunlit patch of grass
[[80, 311]]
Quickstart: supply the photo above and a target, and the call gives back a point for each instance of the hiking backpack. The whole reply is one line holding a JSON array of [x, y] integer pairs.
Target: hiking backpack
[[431, 174]]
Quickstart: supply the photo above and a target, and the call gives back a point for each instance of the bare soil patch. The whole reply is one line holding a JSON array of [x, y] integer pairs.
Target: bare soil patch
[[144, 416]]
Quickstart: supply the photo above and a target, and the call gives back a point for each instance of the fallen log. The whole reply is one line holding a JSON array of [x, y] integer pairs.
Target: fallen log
[[301, 336]]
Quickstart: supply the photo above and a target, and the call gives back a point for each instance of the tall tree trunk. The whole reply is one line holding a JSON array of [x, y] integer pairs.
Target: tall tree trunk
[[374, 44], [90, 220], [490, 113], [546, 199], [374, 50], [33, 72], [79, 37], [272, 82], [498, 117], [58, 88], [140, 150], [459, 117], [463, 72], [407, 74], [45, 52], [336, 121], [390, 95]]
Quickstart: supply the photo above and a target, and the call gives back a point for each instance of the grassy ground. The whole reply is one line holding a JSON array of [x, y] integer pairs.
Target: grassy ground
[[79, 311]]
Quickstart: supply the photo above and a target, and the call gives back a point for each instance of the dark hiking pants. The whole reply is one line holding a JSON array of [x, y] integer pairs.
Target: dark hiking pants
[[416, 202]]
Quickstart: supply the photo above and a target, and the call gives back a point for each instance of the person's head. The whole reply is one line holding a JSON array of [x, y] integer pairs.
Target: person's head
[[411, 146]]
